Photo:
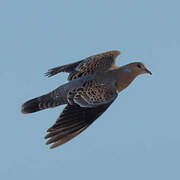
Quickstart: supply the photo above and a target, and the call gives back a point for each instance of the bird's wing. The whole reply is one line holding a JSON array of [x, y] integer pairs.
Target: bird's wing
[[86, 106], [72, 121], [92, 93], [99, 62]]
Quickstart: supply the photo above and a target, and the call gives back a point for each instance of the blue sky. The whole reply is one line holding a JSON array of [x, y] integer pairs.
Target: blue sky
[[138, 137]]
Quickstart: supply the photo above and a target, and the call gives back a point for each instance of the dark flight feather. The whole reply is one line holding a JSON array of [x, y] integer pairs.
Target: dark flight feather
[[72, 121], [66, 68]]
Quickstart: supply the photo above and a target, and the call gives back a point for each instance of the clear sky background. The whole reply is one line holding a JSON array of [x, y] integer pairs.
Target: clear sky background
[[138, 137]]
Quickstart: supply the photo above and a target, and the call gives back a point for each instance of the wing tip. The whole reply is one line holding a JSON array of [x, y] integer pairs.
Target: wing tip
[[48, 73], [115, 53], [54, 145]]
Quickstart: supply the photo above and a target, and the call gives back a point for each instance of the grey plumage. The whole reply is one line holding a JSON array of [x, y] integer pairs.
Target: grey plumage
[[93, 85], [50, 100]]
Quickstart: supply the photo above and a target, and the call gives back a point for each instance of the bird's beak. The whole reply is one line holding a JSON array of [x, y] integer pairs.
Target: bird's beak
[[147, 71]]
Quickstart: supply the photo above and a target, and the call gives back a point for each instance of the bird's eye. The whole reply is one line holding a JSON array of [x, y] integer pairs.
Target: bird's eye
[[139, 66]]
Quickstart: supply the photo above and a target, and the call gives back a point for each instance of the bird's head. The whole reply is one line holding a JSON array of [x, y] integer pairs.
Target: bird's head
[[136, 68]]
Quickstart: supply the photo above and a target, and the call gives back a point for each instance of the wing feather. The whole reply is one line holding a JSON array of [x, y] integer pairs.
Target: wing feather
[[92, 93], [98, 62], [61, 132]]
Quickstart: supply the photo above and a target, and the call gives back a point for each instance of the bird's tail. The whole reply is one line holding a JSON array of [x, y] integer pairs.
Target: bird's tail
[[42, 102]]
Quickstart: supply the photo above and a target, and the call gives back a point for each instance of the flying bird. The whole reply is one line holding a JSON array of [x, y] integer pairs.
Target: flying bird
[[93, 84]]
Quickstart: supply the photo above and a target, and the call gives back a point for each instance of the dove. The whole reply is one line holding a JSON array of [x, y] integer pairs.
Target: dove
[[93, 85]]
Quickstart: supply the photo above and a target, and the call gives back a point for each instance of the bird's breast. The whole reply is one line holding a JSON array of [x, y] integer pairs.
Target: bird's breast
[[123, 83]]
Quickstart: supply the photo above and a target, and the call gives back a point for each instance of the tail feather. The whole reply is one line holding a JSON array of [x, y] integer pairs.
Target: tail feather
[[42, 102], [30, 106]]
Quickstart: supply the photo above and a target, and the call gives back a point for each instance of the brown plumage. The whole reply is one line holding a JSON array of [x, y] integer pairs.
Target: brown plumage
[[98, 62], [94, 84]]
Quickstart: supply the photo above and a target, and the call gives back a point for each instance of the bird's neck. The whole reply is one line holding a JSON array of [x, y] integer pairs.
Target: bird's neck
[[122, 78]]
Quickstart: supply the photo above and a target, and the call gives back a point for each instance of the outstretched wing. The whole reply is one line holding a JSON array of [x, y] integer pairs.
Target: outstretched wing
[[86, 104], [99, 62], [72, 121]]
